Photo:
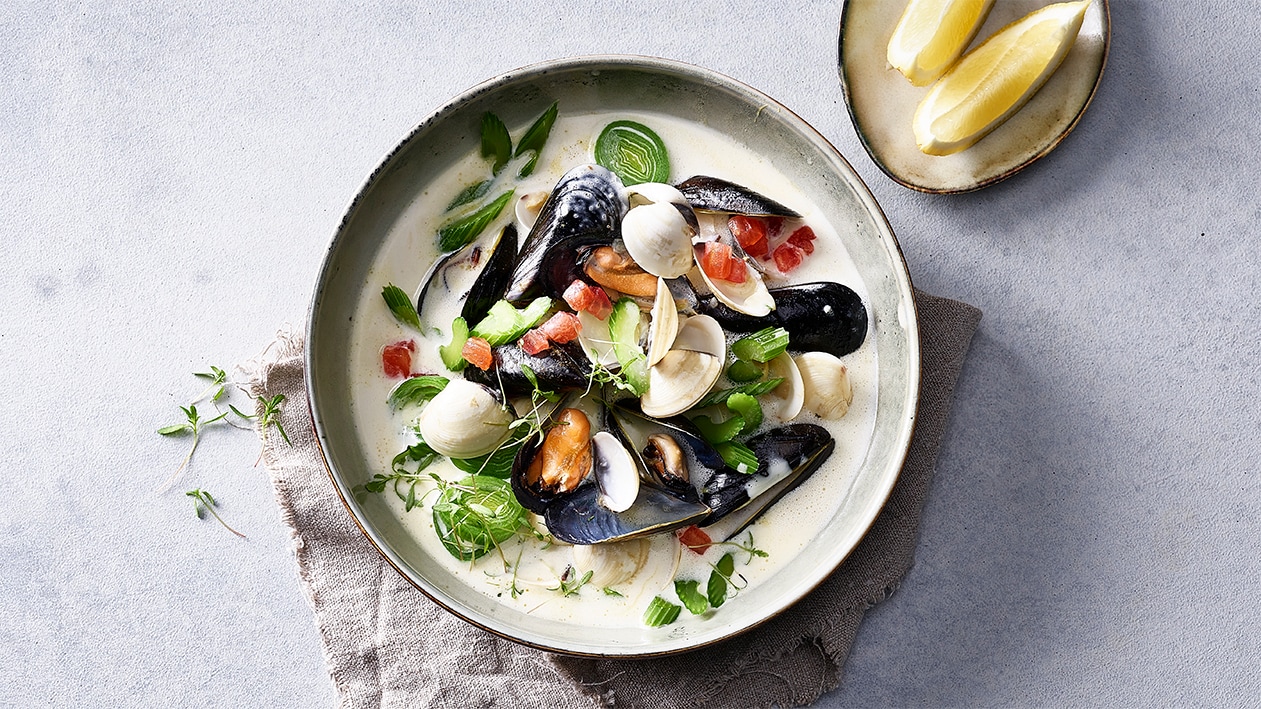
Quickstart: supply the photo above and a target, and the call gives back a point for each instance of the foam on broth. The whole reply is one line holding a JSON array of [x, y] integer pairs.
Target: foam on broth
[[404, 259]]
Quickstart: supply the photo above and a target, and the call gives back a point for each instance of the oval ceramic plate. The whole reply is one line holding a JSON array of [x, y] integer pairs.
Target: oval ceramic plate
[[617, 84], [881, 101]]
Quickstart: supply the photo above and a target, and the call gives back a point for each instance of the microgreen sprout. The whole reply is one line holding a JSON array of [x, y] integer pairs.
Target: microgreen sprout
[[570, 582], [202, 501], [268, 417], [218, 381], [193, 425]]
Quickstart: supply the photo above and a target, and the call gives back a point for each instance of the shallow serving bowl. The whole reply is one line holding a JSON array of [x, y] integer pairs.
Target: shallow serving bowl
[[615, 83], [881, 101]]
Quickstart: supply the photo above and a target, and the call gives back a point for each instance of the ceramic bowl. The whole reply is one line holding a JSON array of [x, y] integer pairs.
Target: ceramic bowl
[[632, 84], [881, 101]]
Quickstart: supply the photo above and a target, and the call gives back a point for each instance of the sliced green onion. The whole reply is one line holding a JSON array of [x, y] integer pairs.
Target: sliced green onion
[[718, 432], [716, 589], [461, 232], [416, 390], [660, 612], [738, 456], [755, 389], [761, 346], [534, 138], [401, 305], [496, 142], [748, 409], [633, 152], [693, 600], [452, 353], [742, 371]]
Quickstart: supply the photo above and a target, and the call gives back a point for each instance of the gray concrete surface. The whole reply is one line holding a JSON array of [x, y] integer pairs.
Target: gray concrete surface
[[173, 172]]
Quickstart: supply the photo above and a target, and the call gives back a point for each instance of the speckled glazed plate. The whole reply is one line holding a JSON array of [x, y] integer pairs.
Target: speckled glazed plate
[[881, 101], [378, 216]]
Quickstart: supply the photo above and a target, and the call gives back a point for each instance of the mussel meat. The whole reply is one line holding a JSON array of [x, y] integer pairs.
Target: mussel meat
[[584, 209], [545, 471], [825, 317]]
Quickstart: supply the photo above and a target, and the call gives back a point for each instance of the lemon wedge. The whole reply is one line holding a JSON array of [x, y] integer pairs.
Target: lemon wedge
[[932, 34], [994, 80]]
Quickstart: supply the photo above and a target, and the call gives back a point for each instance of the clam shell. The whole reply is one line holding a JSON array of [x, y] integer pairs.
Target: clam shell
[[790, 395], [826, 384], [615, 472], [750, 297], [659, 239], [664, 326], [464, 420]]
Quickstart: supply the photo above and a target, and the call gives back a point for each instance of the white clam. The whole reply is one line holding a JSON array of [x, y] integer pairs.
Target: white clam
[[464, 420], [826, 382], [688, 371], [634, 568], [789, 397], [664, 325], [659, 239], [654, 193], [751, 297], [615, 472]]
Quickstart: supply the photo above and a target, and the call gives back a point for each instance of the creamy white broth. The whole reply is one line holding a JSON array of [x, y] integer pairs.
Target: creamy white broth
[[406, 257]]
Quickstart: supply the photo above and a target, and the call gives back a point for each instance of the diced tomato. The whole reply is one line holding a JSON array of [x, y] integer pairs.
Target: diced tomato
[[788, 257], [477, 352], [533, 342], [750, 232], [561, 328], [716, 259], [803, 239], [695, 538], [600, 306], [738, 270], [396, 358], [581, 295], [774, 225]]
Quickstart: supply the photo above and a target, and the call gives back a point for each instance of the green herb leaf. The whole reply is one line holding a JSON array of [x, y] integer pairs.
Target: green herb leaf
[[202, 500], [633, 152], [401, 305], [755, 389], [534, 138], [470, 194], [497, 464], [660, 612], [738, 456], [611, 592], [496, 142], [461, 232], [570, 582], [416, 390], [716, 589], [762, 346], [177, 428], [748, 409], [476, 514], [691, 597]]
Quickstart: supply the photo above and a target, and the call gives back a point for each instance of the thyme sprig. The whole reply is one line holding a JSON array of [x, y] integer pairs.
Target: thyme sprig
[[193, 425], [204, 502], [570, 583]]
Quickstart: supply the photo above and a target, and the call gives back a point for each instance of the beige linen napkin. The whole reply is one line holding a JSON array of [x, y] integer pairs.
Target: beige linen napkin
[[386, 644]]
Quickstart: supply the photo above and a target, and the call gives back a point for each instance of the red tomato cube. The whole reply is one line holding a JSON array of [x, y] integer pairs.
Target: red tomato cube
[[396, 358], [750, 232], [561, 328], [477, 352], [716, 260], [533, 342], [788, 257], [803, 239], [695, 539], [600, 306]]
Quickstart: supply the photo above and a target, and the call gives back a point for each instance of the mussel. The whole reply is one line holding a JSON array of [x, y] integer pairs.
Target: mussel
[[558, 368], [621, 500], [825, 317], [787, 456], [585, 209], [672, 452], [712, 194], [493, 279]]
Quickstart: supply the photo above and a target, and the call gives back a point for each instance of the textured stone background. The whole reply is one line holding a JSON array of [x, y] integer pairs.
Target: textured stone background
[[172, 174]]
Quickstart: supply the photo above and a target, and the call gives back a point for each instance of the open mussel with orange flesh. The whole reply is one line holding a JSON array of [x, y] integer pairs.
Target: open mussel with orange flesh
[[584, 210], [591, 489]]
